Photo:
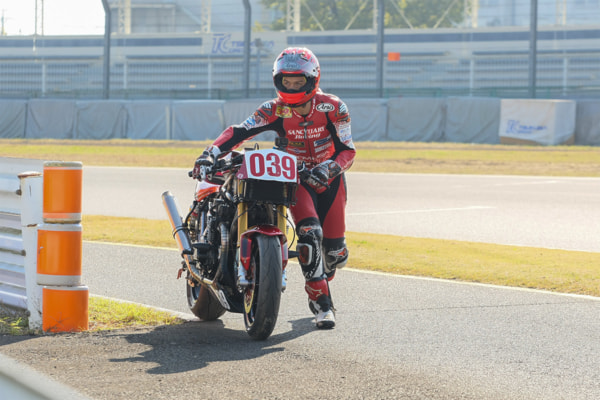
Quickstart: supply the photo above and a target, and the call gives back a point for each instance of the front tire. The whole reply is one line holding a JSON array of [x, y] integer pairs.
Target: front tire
[[202, 303], [263, 296]]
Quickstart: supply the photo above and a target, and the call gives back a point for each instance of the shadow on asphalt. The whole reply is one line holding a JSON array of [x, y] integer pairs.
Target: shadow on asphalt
[[193, 345]]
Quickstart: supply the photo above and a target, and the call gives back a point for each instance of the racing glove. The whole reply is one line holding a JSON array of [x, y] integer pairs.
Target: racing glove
[[319, 176], [206, 159]]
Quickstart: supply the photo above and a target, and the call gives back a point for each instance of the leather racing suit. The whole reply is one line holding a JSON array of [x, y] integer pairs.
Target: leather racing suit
[[322, 137]]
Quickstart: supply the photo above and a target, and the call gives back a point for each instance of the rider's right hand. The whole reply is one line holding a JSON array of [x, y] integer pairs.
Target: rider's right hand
[[205, 160]]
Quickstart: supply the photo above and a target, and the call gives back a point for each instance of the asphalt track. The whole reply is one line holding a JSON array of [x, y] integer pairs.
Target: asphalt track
[[550, 212], [414, 338]]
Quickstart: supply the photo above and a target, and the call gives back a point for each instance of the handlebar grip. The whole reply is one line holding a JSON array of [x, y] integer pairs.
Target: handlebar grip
[[237, 159]]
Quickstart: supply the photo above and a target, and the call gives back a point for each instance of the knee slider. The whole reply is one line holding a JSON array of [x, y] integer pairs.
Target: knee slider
[[310, 237]]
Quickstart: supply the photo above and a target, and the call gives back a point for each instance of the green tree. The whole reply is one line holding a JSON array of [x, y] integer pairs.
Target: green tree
[[424, 13], [358, 14]]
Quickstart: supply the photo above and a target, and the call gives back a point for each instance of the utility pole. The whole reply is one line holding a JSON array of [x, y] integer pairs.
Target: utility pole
[[3, 31], [292, 21], [471, 13], [205, 16], [124, 16], [561, 12], [39, 18]]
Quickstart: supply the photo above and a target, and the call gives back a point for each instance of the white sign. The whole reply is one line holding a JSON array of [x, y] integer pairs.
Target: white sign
[[546, 122], [271, 165]]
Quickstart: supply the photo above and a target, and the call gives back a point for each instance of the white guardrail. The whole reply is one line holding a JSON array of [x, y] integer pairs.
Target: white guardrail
[[40, 243], [23, 216], [21, 193]]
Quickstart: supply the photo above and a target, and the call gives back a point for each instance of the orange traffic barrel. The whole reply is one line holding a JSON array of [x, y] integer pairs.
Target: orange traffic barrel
[[62, 191], [59, 254], [65, 309]]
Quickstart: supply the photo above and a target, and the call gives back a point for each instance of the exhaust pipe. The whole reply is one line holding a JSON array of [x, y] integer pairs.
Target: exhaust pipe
[[180, 234], [179, 231]]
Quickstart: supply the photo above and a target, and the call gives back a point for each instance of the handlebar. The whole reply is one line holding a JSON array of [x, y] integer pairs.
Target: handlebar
[[222, 165]]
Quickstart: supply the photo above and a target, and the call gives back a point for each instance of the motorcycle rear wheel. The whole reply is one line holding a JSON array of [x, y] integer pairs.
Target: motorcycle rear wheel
[[263, 296], [202, 303]]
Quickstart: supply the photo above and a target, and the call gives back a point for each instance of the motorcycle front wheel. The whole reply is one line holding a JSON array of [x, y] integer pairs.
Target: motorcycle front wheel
[[202, 303], [263, 295]]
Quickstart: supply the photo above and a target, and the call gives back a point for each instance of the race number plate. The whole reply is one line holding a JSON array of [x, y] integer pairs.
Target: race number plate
[[271, 165]]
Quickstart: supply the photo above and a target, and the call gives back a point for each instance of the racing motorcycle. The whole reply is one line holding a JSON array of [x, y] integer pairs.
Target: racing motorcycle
[[234, 241]]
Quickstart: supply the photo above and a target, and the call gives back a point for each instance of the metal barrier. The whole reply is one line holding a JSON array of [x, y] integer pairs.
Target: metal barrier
[[20, 215], [40, 243], [483, 73]]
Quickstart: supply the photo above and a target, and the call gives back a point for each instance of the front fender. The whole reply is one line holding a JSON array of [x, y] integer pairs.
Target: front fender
[[268, 230]]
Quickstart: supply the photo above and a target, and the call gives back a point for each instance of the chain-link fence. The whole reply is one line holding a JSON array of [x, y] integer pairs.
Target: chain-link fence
[[466, 59], [494, 74]]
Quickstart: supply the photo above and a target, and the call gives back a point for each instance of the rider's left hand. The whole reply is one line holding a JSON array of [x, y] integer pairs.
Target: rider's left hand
[[319, 176]]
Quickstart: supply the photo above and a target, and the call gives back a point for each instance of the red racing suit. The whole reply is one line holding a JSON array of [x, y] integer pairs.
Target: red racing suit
[[321, 136], [324, 134]]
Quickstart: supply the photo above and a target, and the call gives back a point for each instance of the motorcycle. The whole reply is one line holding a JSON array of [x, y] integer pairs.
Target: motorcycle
[[234, 241]]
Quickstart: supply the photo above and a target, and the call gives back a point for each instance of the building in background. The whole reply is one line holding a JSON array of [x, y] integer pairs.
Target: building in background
[[184, 16]]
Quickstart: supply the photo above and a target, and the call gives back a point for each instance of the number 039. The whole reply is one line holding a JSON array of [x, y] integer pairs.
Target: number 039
[[271, 165]]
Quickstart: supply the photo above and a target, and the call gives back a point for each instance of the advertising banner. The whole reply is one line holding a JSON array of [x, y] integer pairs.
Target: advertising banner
[[545, 122]]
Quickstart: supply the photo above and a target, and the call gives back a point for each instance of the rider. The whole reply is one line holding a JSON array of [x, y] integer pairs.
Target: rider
[[317, 126]]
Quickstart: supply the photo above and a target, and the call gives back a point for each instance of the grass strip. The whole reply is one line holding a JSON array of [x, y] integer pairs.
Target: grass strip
[[107, 314], [13, 323], [528, 267], [103, 314], [453, 158]]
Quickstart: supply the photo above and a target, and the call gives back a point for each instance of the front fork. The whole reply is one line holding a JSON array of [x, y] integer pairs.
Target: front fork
[[244, 247]]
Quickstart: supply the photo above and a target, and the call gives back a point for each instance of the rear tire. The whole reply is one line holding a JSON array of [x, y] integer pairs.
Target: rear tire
[[263, 296], [202, 303]]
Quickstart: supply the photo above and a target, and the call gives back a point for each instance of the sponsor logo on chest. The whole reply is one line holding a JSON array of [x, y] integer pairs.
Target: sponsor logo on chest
[[311, 133]]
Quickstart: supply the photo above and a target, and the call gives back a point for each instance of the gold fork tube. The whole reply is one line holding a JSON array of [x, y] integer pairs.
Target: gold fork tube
[[282, 218], [242, 220]]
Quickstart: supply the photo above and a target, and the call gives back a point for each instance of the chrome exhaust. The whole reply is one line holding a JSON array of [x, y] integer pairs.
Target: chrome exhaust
[[182, 238], [180, 233]]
